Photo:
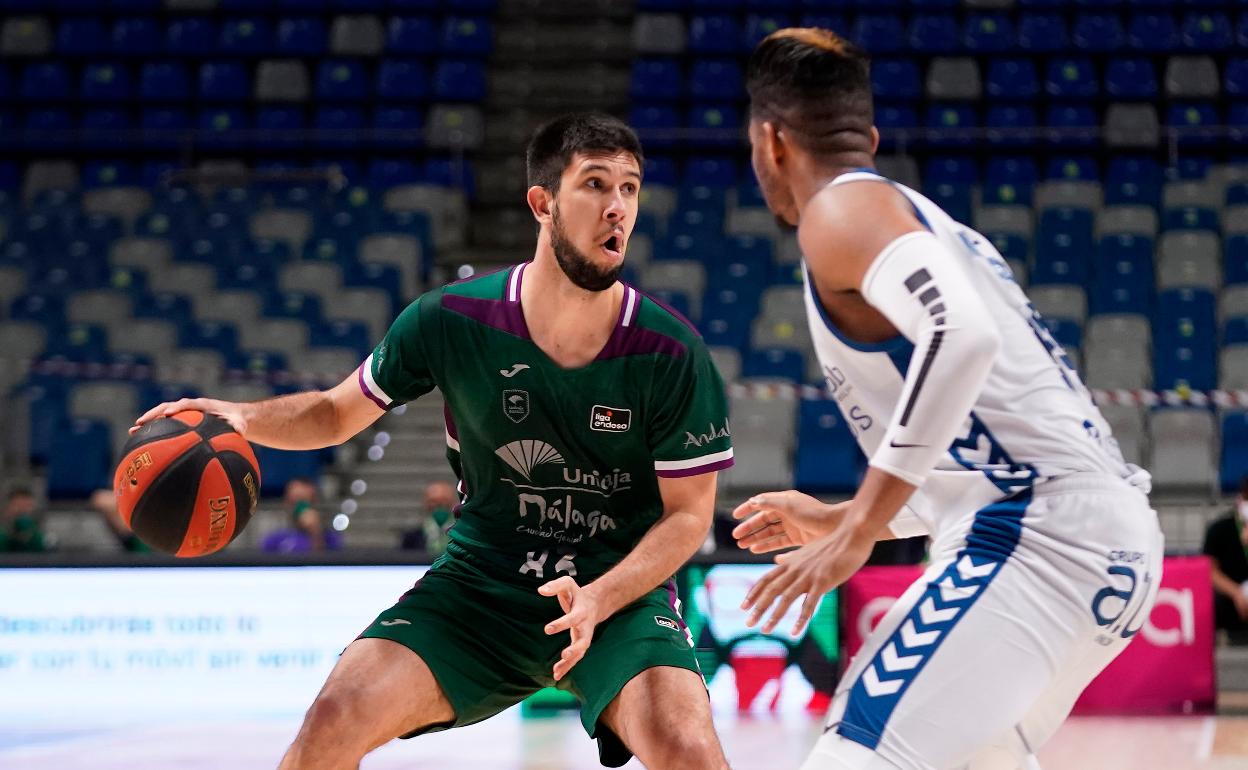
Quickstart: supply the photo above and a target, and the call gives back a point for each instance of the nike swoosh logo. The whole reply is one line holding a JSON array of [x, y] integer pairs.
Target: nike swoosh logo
[[396, 622], [515, 369], [895, 445]]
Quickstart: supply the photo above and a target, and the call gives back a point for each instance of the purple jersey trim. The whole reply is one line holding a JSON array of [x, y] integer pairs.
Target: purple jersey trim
[[496, 313], [697, 470], [359, 373], [634, 341], [449, 419]]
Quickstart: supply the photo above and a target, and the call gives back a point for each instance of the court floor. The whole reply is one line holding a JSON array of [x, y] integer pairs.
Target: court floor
[[508, 742]]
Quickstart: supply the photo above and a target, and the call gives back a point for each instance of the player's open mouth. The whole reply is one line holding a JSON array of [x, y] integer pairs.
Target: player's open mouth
[[614, 246]]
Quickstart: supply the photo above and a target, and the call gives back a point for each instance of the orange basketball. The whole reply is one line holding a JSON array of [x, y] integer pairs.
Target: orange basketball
[[187, 484]]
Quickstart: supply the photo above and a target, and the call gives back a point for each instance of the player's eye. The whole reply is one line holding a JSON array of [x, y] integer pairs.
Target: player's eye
[[630, 188], [595, 183]]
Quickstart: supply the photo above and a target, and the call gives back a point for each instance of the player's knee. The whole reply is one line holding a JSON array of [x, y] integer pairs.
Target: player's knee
[[692, 749], [333, 717]]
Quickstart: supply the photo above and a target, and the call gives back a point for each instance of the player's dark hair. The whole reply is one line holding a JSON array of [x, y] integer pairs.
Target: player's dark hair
[[554, 144], [815, 84], [17, 492]]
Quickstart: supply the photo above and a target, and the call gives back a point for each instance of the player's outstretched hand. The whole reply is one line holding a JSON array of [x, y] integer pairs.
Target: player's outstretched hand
[[580, 617], [813, 570], [228, 411], [783, 520]]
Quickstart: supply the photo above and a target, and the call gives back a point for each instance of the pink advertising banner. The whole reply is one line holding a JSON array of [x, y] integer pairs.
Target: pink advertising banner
[[1167, 668]]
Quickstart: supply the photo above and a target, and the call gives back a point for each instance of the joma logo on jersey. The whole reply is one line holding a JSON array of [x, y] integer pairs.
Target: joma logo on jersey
[[610, 419], [712, 433]]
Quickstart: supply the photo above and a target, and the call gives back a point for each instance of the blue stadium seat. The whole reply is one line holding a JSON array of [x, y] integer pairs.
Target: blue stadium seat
[[1234, 460], [674, 300], [105, 83], [218, 125], [212, 335], [108, 173], [245, 37], [1042, 33], [402, 125], [828, 458], [760, 25], [1124, 275], [80, 459], [989, 33], [1207, 32], [460, 81], [304, 36], [255, 363], [81, 343], [933, 34], [955, 199], [45, 82], [1181, 365], [654, 125], [775, 363], [711, 170], [1006, 124], [660, 170], [1189, 218], [139, 36], [1076, 125], [1133, 181], [1130, 79], [891, 120], [1194, 120], [338, 126], [280, 122], [878, 34], [293, 305], [192, 36], [164, 82], [281, 466], [1011, 79], [1185, 316], [1071, 78], [951, 169], [1241, 30], [657, 80], [1067, 331], [717, 125], [716, 79], [1235, 77], [45, 309], [48, 129], [1063, 246], [224, 82], [471, 36], [1235, 331], [162, 126], [954, 118], [714, 34], [1098, 32], [402, 81], [411, 35], [104, 127], [343, 334], [1153, 33], [1009, 180], [1237, 194], [375, 276], [341, 80], [82, 36], [166, 306], [896, 79]]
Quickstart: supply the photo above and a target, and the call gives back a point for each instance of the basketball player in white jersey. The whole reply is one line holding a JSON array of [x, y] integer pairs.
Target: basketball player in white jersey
[[1045, 554]]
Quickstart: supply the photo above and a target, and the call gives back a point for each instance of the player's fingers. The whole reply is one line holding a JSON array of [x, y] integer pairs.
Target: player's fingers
[[808, 611], [757, 590], [564, 585], [776, 588], [561, 624], [786, 599], [164, 410], [773, 543], [755, 504], [759, 522]]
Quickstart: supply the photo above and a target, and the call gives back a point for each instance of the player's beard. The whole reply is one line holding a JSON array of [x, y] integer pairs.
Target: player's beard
[[576, 265]]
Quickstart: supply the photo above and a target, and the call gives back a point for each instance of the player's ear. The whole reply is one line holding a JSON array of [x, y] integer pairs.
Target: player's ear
[[540, 201], [875, 139], [774, 141]]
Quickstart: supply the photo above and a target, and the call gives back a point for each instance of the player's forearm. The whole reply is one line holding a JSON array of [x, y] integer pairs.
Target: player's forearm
[[879, 498], [298, 421], [1222, 582], [663, 550]]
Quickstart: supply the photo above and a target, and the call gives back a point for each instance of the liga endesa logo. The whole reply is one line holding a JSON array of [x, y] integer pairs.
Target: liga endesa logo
[[610, 419]]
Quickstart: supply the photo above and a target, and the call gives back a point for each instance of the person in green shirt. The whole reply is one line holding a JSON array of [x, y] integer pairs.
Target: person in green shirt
[[19, 529], [586, 425]]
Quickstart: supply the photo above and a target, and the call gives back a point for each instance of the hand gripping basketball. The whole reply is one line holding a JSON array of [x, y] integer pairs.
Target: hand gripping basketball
[[226, 410]]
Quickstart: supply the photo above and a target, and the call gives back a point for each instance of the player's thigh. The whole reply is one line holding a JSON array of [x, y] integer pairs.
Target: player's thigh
[[664, 712], [379, 690]]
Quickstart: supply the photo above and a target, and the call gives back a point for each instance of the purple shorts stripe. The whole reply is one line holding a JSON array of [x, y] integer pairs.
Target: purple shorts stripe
[[697, 470], [364, 388], [673, 601]]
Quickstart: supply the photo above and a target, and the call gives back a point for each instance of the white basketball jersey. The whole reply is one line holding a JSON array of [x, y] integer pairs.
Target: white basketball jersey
[[1034, 418]]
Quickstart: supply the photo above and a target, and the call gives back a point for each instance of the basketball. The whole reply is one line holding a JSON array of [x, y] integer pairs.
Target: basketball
[[187, 484]]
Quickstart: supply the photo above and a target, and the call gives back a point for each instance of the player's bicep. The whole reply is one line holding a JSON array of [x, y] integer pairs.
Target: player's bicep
[[690, 494], [354, 408]]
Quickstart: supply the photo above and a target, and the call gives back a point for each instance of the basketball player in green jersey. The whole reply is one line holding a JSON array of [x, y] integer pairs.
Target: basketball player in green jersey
[[586, 424]]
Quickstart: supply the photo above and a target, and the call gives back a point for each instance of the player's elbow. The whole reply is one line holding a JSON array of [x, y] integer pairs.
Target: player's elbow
[[976, 343]]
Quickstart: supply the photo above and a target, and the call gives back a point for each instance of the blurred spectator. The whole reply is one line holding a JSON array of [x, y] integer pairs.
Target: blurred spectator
[[431, 535], [19, 529], [1226, 545], [307, 531], [104, 502]]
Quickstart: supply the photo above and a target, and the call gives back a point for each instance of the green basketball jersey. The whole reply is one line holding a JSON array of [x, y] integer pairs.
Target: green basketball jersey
[[557, 467]]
